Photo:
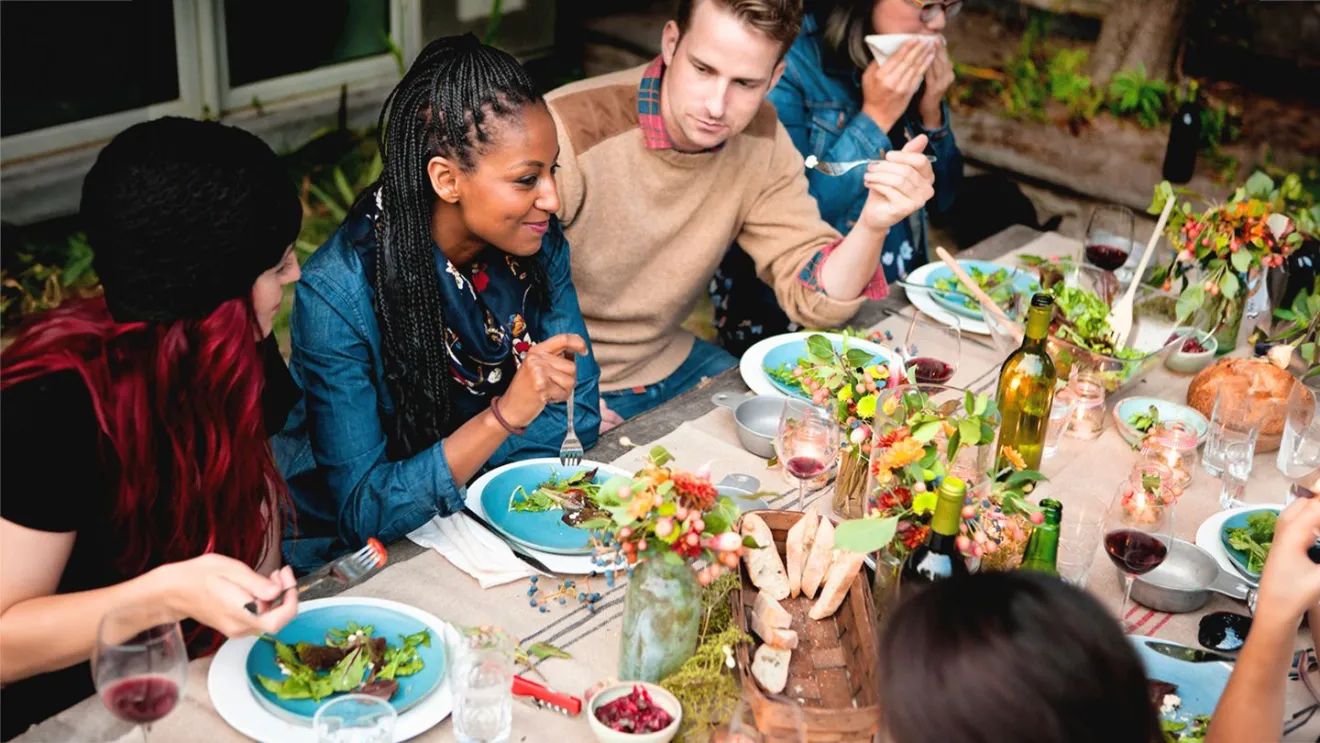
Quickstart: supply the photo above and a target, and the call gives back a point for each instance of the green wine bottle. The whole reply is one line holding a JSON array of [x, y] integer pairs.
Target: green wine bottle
[[1043, 547], [1026, 390], [938, 557]]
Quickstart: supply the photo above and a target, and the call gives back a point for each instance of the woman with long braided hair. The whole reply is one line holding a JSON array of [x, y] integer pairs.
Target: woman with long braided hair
[[435, 332]]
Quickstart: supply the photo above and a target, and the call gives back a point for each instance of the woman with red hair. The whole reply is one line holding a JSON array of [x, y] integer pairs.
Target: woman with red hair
[[136, 468]]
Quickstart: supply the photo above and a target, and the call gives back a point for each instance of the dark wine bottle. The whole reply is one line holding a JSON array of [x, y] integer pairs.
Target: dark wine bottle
[[1184, 141], [1026, 390], [938, 557], [1043, 547]]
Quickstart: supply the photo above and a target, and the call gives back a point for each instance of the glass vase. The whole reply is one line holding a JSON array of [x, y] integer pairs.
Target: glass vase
[[661, 620], [850, 486], [1230, 324]]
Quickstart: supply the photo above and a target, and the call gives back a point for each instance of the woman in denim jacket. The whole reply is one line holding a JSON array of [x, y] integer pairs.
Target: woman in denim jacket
[[839, 105], [436, 330]]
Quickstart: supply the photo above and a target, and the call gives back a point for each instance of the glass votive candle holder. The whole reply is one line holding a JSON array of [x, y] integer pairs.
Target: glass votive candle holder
[[1060, 417], [1088, 413], [1172, 444]]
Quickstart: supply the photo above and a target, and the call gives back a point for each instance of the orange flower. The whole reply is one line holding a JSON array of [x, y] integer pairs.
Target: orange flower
[[1014, 458], [641, 503], [902, 453]]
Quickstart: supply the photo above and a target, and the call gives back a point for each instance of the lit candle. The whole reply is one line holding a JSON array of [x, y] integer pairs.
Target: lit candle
[[1088, 416]]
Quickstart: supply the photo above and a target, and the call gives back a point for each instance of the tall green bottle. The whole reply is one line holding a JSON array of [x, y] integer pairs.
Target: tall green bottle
[[1043, 547], [1026, 389], [938, 557]]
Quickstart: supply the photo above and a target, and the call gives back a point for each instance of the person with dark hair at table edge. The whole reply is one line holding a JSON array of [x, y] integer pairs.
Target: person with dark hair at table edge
[[435, 332], [137, 469], [665, 165]]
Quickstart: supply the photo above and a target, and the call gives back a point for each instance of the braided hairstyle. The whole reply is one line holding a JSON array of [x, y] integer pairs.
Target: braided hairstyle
[[443, 107]]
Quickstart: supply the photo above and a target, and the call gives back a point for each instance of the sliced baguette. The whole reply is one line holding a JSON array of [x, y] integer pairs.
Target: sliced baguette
[[763, 564], [818, 560], [772, 612], [837, 582], [770, 668], [798, 545], [776, 637]]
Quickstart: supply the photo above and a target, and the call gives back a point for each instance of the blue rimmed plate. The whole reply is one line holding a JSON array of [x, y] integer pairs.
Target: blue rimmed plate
[[1199, 684], [1236, 556], [793, 349], [545, 530], [312, 625], [1022, 282]]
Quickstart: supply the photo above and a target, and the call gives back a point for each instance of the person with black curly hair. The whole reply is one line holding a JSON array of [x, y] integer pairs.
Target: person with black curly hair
[[137, 470], [435, 332]]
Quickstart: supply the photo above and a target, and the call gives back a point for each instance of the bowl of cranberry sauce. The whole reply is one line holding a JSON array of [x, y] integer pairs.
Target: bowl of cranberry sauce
[[634, 712], [1195, 354]]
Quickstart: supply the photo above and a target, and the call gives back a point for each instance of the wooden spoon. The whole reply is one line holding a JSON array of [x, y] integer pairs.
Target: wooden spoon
[[975, 290], [1120, 316]]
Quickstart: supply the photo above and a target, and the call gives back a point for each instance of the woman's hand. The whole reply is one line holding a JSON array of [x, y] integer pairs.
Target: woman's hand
[[900, 185], [887, 88], [939, 76], [1290, 583], [547, 375], [215, 590]]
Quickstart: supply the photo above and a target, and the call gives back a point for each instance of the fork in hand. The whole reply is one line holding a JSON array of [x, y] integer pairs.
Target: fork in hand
[[347, 569], [570, 452], [814, 163]]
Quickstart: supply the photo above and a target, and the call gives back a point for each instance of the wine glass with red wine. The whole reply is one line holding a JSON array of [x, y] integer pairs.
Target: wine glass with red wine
[[807, 442], [1139, 527], [1109, 237], [932, 349], [140, 665]]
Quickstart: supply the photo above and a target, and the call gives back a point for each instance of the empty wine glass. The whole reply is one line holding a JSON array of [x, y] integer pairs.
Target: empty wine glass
[[807, 442], [786, 713], [932, 349], [1299, 451], [1139, 526], [1109, 237], [140, 665]]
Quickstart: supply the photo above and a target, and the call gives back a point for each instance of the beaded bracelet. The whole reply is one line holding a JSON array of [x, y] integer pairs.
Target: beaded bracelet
[[495, 409]]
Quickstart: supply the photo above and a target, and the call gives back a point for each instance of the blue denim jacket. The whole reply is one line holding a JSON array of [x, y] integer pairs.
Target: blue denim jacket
[[332, 450], [822, 113]]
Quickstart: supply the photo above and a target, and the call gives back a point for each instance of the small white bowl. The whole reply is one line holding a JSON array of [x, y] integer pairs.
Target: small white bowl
[[668, 702], [1185, 362], [883, 46]]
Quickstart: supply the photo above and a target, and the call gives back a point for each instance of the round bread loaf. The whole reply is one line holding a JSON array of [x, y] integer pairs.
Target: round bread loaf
[[1267, 385]]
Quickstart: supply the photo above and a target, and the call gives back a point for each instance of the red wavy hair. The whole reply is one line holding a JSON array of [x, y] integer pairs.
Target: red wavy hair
[[179, 407]]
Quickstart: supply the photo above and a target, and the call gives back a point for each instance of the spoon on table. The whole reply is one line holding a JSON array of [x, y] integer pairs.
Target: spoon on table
[[1120, 315]]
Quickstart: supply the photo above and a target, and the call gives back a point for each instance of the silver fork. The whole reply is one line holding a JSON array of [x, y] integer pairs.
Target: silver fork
[[347, 569], [840, 168], [570, 452]]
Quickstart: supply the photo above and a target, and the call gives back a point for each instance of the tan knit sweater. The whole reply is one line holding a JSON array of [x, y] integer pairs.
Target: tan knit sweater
[[647, 228]]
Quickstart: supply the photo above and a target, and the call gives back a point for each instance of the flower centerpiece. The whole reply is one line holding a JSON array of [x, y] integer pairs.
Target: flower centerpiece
[[679, 533], [924, 433], [1221, 253]]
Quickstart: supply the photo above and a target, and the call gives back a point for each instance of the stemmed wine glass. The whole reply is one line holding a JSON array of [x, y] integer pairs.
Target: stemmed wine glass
[[140, 673], [1299, 452], [1109, 237], [932, 349], [1139, 527], [807, 442]]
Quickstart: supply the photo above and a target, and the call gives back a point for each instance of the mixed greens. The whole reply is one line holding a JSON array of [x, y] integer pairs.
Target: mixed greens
[[574, 492], [1255, 538], [351, 660], [1186, 732], [1144, 421], [1083, 319], [996, 284]]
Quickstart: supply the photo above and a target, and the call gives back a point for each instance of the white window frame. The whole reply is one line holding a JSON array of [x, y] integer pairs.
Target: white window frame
[[77, 133]]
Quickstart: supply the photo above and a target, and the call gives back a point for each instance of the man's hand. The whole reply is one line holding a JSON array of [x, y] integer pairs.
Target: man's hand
[[900, 184]]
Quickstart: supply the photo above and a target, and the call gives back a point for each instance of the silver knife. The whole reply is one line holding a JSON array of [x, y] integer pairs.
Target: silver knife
[[516, 551], [1188, 654]]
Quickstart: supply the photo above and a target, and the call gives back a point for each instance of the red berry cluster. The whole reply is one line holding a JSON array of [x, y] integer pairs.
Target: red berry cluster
[[694, 492]]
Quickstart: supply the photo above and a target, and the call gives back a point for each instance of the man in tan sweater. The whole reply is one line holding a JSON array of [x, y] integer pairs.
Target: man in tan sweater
[[664, 166]]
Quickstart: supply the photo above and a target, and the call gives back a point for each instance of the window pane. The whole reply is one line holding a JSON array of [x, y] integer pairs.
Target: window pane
[[271, 39], [68, 61]]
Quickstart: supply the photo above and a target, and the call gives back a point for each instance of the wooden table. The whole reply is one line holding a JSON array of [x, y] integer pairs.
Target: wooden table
[[421, 577]]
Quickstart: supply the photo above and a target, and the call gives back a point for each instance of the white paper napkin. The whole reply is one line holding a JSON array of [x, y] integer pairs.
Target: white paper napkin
[[472, 549]]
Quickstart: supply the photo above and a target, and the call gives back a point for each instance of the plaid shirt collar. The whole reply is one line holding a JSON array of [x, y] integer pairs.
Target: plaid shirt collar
[[652, 124]]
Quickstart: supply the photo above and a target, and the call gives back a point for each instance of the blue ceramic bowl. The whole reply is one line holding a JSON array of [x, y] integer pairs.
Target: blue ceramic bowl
[[1237, 556], [1199, 684], [311, 626], [791, 352], [543, 531], [1023, 283], [1169, 411]]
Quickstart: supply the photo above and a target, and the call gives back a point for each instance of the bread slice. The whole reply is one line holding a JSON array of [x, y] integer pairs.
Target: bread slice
[[770, 668], [837, 582], [818, 560], [797, 546], [763, 564], [772, 612], [776, 637]]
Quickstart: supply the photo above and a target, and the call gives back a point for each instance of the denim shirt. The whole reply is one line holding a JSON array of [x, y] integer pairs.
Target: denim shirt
[[822, 112], [332, 450]]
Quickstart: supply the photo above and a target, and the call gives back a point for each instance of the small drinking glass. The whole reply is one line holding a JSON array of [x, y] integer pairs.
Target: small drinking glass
[[1060, 417], [787, 712], [1237, 457], [807, 442], [140, 665], [482, 673], [1232, 421], [1299, 451], [1088, 413], [932, 349], [355, 718], [1079, 536], [1109, 237]]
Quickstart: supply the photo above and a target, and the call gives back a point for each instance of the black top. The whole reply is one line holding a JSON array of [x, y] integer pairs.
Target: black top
[[52, 479]]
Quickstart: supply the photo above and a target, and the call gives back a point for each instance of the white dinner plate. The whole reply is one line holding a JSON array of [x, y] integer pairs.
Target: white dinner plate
[[1208, 539], [234, 700], [750, 364], [923, 301], [558, 564]]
